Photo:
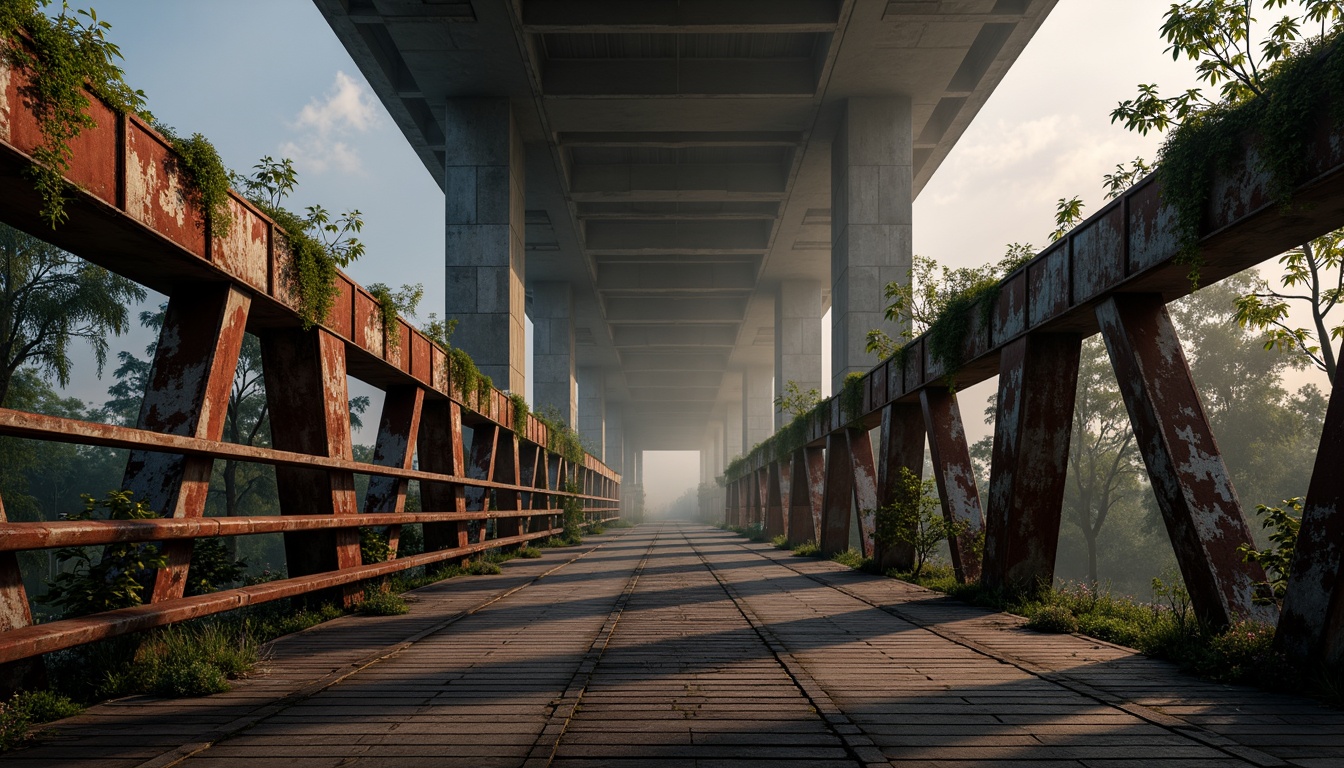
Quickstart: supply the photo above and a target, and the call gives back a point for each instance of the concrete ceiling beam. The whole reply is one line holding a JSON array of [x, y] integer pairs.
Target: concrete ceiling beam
[[678, 15], [677, 236], [701, 181], [681, 139], [712, 278], [643, 78], [669, 311], [673, 361], [685, 336]]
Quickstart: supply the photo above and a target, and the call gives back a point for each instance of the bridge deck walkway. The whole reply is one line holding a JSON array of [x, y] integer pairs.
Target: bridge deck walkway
[[678, 645]]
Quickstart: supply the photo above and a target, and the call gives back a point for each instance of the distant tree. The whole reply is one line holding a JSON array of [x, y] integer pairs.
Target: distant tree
[[796, 402], [49, 298]]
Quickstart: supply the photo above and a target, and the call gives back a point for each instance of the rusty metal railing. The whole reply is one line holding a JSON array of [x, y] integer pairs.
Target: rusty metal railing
[[129, 212]]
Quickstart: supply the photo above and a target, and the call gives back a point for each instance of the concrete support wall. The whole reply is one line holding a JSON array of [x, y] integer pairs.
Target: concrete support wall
[[554, 384], [593, 411], [615, 439], [871, 195], [732, 430], [484, 261], [757, 406], [797, 339]]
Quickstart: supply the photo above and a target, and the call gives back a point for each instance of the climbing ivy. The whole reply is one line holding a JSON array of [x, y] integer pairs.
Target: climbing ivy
[[561, 438], [468, 378], [520, 411], [62, 54], [391, 304], [208, 181], [851, 397]]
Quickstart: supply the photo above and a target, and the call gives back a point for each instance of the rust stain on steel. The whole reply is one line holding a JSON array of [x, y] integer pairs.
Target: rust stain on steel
[[1152, 227], [187, 395], [1038, 378], [1099, 254], [341, 318], [1048, 284], [1312, 625], [1010, 316], [774, 503], [26, 642], [481, 465], [806, 479], [308, 400], [900, 444], [955, 475], [784, 479], [367, 324], [440, 450], [156, 194], [865, 486], [1193, 490], [420, 359], [282, 270], [507, 470], [838, 495], [14, 610], [761, 496], [244, 252], [398, 428], [8, 100]]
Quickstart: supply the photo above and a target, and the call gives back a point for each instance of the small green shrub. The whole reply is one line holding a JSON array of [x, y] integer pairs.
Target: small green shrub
[[807, 549], [185, 661], [28, 708], [852, 558], [117, 578], [1056, 619], [528, 553], [373, 545], [381, 602], [780, 542], [482, 567], [597, 529]]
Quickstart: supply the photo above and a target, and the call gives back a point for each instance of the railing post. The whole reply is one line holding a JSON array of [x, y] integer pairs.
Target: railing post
[[850, 479], [398, 428], [1038, 378], [187, 394], [900, 444], [528, 455], [1189, 478], [1312, 625], [774, 500], [507, 470], [27, 674], [955, 475], [481, 466], [309, 408], [440, 450], [806, 495]]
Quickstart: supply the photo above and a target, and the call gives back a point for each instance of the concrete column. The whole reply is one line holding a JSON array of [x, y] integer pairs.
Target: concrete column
[[615, 437], [797, 339], [871, 196], [732, 431], [553, 380], [485, 269], [757, 405], [593, 411]]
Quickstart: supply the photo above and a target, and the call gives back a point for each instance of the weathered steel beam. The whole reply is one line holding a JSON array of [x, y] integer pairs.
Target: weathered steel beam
[[1030, 460], [900, 444], [806, 495], [398, 429], [310, 413], [507, 461], [481, 465], [955, 476], [774, 502], [1312, 624], [187, 394], [1194, 491], [850, 480]]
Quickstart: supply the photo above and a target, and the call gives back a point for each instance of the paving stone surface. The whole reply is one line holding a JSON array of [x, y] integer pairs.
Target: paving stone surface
[[682, 645]]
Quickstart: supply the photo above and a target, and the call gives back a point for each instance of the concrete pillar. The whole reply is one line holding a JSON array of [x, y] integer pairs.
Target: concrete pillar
[[871, 196], [757, 405], [732, 431], [485, 268], [593, 411], [553, 378], [797, 339], [615, 438]]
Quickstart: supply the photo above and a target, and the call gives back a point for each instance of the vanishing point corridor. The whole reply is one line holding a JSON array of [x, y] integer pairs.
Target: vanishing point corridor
[[678, 645]]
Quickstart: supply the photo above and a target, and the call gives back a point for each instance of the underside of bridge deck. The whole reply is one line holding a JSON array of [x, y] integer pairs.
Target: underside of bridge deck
[[672, 645], [679, 175]]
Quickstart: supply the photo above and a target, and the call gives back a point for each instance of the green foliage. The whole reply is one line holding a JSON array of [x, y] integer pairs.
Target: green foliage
[[67, 52], [1270, 90], [208, 181], [373, 545], [186, 661], [851, 397], [520, 412], [319, 244], [212, 567], [780, 542], [440, 331], [852, 558], [915, 517], [381, 602], [468, 378], [482, 567], [528, 553], [807, 549], [116, 580], [1277, 559], [795, 401], [49, 298], [1125, 177], [1055, 619], [1068, 213], [391, 304], [561, 438], [572, 516], [28, 708]]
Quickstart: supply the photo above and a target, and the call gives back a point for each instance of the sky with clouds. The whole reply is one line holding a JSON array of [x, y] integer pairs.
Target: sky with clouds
[[268, 77]]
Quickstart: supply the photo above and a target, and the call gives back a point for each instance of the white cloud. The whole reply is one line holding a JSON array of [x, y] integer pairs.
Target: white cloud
[[326, 126]]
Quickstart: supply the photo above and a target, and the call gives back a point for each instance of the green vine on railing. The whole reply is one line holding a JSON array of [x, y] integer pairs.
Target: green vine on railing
[[468, 378], [520, 412], [393, 304], [561, 438], [851, 397], [62, 54], [1281, 123], [207, 180], [950, 330]]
